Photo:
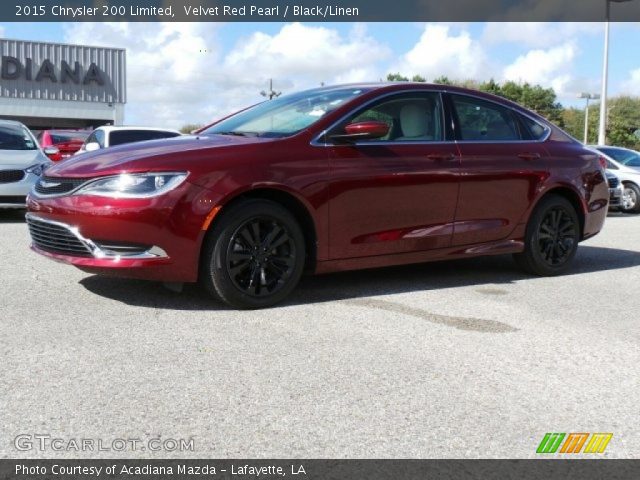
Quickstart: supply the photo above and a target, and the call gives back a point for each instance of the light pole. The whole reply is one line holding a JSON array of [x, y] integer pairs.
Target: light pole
[[587, 96], [271, 94], [602, 130]]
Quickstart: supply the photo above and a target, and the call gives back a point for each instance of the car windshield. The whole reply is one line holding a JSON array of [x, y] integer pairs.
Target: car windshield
[[64, 137], [629, 158], [16, 137], [285, 115]]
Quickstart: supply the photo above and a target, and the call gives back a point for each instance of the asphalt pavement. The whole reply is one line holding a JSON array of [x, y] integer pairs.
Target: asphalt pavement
[[464, 359]]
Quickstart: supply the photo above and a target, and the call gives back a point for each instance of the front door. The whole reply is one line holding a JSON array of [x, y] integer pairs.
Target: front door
[[395, 194]]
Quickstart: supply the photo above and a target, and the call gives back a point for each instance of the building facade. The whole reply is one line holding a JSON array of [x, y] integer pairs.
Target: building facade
[[53, 85]]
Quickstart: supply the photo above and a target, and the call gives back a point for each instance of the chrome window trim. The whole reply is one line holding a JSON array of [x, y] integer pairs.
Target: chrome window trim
[[315, 142], [95, 250], [547, 129]]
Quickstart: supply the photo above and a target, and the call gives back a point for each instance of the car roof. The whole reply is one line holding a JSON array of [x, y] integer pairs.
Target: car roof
[[612, 147], [111, 128], [12, 123]]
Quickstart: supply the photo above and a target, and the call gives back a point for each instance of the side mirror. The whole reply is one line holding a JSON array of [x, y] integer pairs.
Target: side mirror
[[362, 131], [92, 147], [53, 153]]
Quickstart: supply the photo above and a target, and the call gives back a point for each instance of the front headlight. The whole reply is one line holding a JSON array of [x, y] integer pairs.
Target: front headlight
[[134, 185], [38, 168]]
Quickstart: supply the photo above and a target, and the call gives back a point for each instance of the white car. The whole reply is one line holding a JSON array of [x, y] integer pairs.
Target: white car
[[625, 163], [22, 161], [108, 136]]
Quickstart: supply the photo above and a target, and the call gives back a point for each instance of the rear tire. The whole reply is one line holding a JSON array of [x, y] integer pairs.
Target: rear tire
[[254, 256], [631, 198], [551, 238]]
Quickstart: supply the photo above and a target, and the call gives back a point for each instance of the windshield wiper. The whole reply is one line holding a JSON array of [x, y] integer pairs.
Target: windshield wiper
[[239, 134]]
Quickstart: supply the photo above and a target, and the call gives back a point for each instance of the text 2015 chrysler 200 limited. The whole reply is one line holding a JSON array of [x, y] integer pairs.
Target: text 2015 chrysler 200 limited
[[335, 178]]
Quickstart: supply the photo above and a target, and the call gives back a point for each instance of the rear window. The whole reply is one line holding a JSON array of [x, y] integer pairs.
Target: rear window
[[120, 137], [15, 137], [479, 120], [629, 158], [64, 137]]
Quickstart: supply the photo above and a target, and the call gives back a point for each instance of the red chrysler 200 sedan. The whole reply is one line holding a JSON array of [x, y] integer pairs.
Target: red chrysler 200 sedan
[[335, 178]]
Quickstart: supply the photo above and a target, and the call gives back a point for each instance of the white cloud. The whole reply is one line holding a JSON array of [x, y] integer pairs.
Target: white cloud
[[632, 85], [168, 66], [178, 74], [549, 68], [537, 34], [440, 51]]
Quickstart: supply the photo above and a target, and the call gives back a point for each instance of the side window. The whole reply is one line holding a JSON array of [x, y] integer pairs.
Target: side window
[[533, 128], [411, 117], [91, 138], [99, 137], [479, 120], [611, 166]]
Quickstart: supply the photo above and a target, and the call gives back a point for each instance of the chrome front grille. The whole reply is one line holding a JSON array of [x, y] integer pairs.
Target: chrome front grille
[[56, 238], [10, 176], [62, 239], [57, 186]]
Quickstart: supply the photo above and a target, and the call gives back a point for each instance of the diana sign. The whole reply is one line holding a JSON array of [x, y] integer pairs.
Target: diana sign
[[13, 69]]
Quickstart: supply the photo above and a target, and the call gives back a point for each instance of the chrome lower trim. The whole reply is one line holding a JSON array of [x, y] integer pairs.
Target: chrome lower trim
[[96, 251]]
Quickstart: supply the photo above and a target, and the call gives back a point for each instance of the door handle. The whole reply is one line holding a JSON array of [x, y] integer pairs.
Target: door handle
[[529, 155], [441, 156]]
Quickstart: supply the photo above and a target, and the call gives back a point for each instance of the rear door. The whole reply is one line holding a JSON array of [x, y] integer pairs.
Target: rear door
[[502, 163]]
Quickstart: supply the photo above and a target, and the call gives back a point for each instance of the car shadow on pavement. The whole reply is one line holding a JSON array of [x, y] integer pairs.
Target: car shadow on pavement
[[12, 216], [492, 271]]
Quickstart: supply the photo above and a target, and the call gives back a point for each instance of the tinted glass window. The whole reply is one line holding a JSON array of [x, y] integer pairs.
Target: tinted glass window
[[479, 120], [411, 117], [15, 137], [98, 136], [285, 115], [120, 137], [629, 158], [63, 137], [533, 128]]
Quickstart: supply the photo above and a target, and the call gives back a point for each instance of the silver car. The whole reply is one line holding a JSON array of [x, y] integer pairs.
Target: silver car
[[625, 163], [21, 163]]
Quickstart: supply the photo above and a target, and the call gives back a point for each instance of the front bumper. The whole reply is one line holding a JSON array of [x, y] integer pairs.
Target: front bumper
[[153, 239], [615, 196], [13, 194]]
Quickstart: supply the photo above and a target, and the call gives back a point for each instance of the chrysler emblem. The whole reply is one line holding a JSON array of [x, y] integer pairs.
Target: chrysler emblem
[[46, 184]]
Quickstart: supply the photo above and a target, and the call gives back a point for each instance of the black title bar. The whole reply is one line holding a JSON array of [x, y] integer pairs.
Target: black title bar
[[319, 10]]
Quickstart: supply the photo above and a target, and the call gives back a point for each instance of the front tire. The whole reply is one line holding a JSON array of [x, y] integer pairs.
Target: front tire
[[631, 198], [551, 238], [254, 256]]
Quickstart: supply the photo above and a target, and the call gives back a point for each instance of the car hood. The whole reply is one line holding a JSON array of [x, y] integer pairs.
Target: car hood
[[20, 159], [145, 156]]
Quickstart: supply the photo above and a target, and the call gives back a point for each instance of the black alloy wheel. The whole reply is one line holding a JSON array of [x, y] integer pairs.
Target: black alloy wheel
[[551, 238], [556, 236], [254, 254], [261, 256]]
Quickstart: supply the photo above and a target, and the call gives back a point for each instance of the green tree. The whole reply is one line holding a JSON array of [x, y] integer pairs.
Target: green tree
[[623, 115], [573, 123], [189, 127], [443, 80], [396, 77]]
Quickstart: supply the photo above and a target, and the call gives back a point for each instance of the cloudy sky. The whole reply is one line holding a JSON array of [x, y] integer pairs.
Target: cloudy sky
[[195, 72]]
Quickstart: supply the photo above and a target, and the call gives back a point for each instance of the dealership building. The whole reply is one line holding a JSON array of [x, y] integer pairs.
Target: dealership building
[[54, 85]]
